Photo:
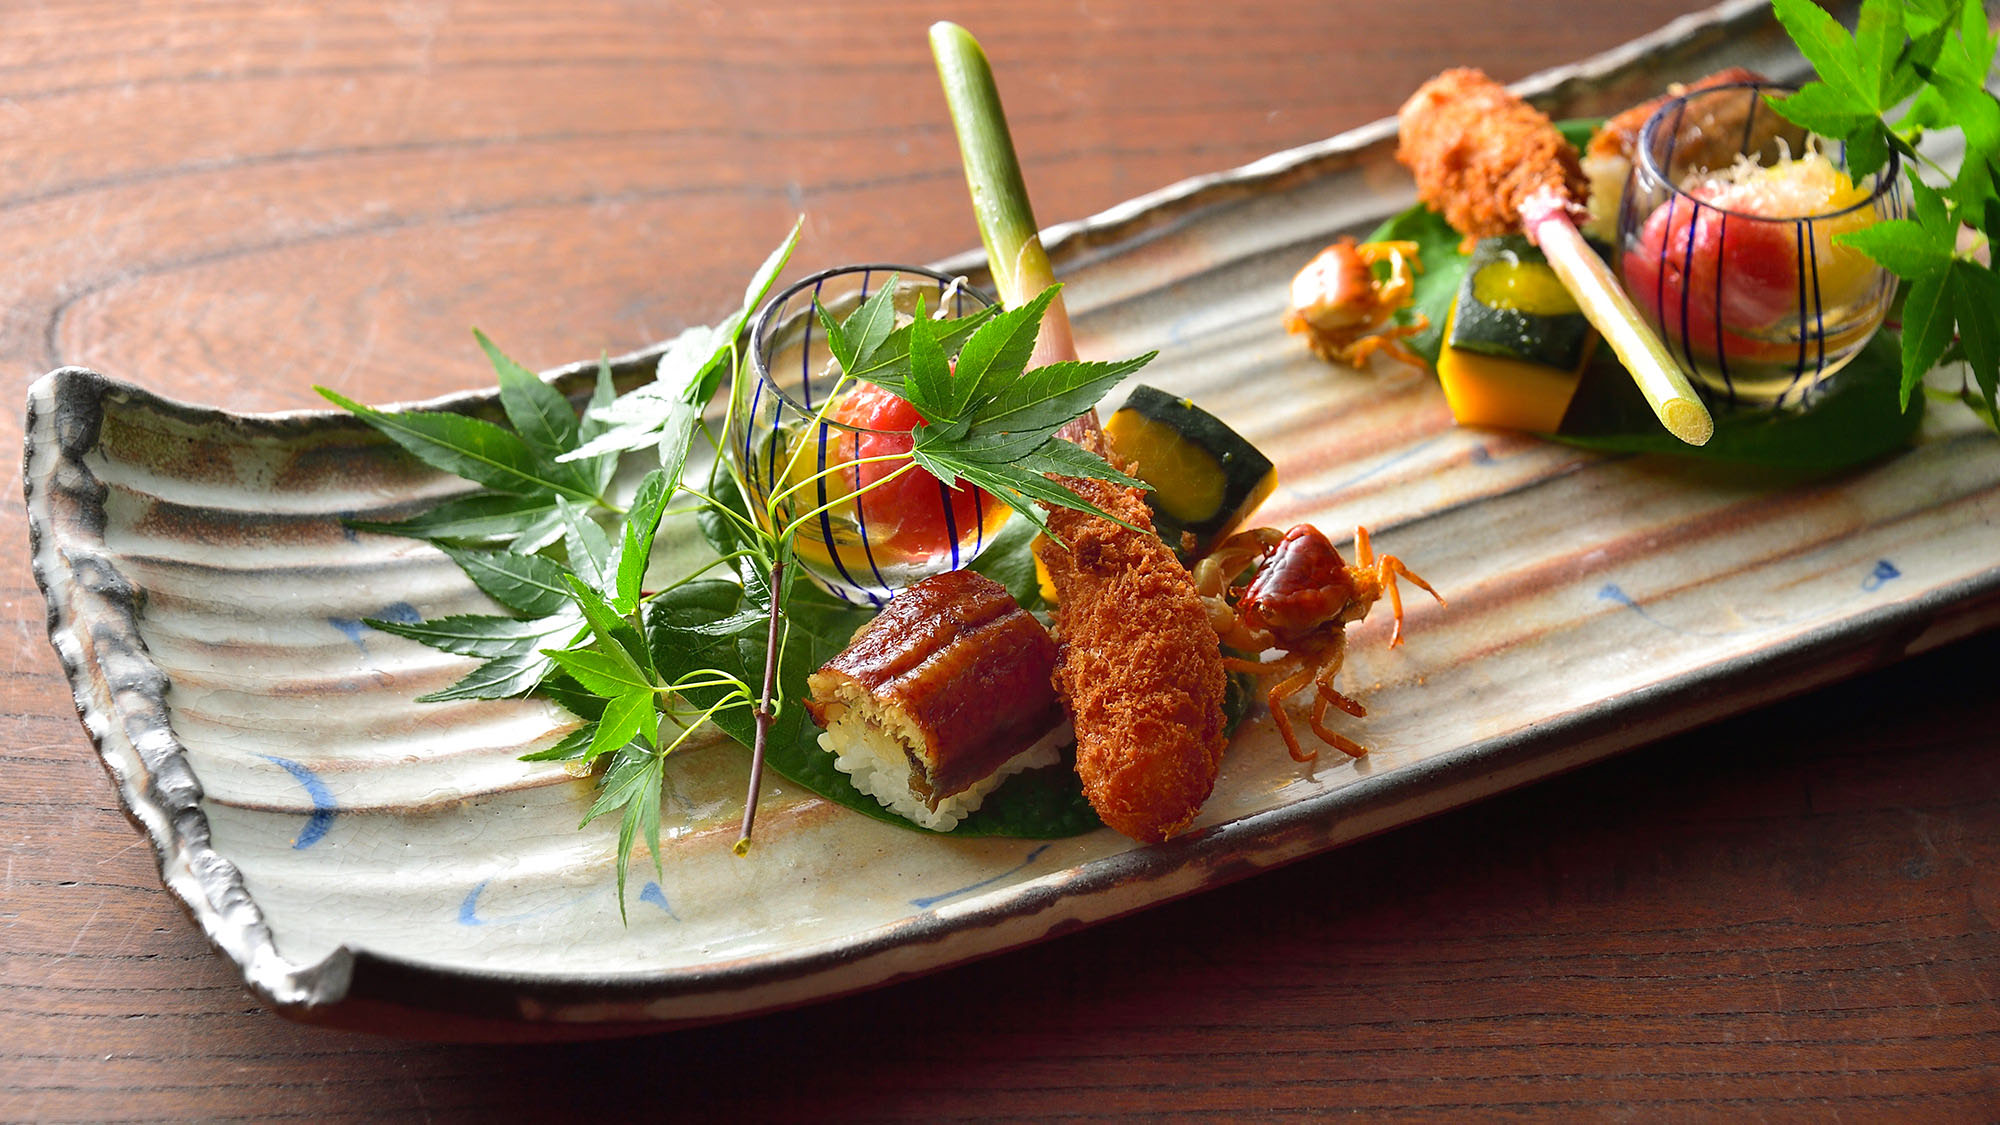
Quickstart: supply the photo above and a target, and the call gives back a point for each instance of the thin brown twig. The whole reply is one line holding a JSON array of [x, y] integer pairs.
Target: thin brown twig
[[764, 715]]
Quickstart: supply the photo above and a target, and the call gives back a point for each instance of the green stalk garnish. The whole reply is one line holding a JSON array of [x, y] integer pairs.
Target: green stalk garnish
[[999, 196]]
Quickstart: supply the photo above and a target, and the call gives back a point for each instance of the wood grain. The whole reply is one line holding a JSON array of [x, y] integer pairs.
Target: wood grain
[[1789, 916]]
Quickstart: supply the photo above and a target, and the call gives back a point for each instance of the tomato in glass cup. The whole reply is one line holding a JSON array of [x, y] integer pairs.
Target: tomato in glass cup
[[1726, 251], [912, 516], [1691, 264]]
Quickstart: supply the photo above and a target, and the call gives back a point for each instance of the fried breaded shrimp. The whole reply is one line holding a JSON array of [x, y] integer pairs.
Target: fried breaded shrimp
[[1478, 152], [1139, 667]]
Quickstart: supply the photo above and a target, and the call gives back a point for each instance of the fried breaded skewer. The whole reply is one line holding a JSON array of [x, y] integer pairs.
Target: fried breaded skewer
[[1494, 164], [1477, 152]]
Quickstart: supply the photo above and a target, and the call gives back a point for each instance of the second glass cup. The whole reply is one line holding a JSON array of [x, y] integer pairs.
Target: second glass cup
[[1726, 242], [872, 526]]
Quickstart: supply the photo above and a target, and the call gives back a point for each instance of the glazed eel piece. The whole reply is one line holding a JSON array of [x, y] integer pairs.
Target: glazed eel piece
[[953, 670]]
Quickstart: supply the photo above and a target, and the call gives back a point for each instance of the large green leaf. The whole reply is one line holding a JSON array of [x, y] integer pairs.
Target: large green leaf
[[480, 518], [526, 584], [478, 634], [1047, 397], [586, 546], [889, 366], [1001, 347], [503, 677], [1437, 247], [854, 341], [1857, 419], [635, 546], [569, 748], [538, 412], [608, 675]]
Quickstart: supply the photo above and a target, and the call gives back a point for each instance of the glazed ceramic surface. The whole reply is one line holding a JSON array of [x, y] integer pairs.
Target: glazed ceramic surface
[[346, 846]]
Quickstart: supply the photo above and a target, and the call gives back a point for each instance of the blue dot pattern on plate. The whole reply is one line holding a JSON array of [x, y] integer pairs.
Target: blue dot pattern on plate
[[1883, 571]]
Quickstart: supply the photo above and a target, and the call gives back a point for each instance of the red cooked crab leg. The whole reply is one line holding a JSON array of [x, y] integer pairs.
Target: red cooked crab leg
[[1387, 570]]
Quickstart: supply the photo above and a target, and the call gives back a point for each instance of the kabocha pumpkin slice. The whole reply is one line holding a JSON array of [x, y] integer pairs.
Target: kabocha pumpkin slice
[[1206, 478], [1515, 344]]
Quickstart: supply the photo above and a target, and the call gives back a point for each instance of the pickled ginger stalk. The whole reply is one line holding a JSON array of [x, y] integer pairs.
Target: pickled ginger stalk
[[999, 196]]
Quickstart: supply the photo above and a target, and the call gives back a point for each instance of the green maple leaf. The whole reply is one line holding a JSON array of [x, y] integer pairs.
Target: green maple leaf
[[1937, 54], [1921, 250], [991, 423], [1976, 302], [988, 420], [855, 341], [1860, 77], [633, 783]]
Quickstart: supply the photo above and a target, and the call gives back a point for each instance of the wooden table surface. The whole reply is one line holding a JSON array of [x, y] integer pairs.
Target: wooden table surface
[[1788, 916]]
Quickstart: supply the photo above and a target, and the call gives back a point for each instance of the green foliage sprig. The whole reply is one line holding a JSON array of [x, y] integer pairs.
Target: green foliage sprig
[[1926, 62]]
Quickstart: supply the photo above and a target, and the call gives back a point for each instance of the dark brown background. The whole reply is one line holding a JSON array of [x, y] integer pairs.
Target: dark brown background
[[1788, 916]]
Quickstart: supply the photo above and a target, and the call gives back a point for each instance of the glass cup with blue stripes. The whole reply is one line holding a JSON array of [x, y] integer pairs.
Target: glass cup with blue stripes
[[869, 524], [1740, 270]]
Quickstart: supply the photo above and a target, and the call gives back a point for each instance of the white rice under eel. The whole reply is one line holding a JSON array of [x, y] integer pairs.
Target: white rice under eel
[[879, 763]]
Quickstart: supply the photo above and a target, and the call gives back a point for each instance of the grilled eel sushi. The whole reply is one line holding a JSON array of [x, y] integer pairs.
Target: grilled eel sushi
[[1140, 666], [945, 694]]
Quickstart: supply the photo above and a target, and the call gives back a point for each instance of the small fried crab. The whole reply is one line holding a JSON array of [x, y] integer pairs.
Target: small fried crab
[[1347, 313], [1300, 601]]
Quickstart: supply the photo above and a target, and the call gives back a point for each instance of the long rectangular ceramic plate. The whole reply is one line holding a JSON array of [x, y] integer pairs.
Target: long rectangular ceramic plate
[[358, 854]]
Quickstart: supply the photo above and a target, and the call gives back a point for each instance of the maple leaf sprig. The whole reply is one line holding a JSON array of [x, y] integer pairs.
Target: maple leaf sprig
[[530, 501], [532, 541], [541, 478], [989, 421], [1931, 58], [645, 669]]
